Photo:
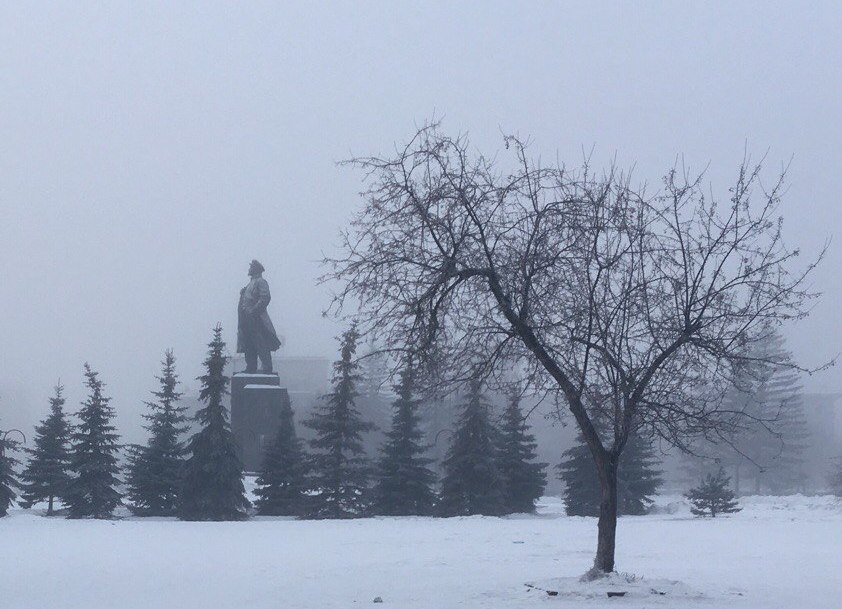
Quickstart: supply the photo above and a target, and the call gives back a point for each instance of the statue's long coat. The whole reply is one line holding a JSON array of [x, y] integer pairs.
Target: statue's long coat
[[255, 331]]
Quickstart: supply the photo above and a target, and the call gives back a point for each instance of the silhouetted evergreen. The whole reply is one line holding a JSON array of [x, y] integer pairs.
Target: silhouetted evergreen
[[212, 487], [638, 478], [340, 469], [767, 454], [283, 483], [713, 496], [777, 453], [155, 470], [47, 473], [404, 482], [835, 478], [582, 494], [522, 478], [8, 482], [472, 484], [92, 491]]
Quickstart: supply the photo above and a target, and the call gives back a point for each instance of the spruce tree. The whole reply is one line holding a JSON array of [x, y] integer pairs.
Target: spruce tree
[[212, 487], [582, 494], [154, 479], [283, 484], [639, 475], [781, 395], [472, 484], [770, 452], [47, 473], [522, 478], [374, 372], [404, 482], [638, 478], [92, 491], [713, 496], [834, 479], [787, 473], [340, 469], [8, 483]]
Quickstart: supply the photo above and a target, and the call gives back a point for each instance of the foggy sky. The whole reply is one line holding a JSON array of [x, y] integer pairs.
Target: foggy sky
[[149, 151]]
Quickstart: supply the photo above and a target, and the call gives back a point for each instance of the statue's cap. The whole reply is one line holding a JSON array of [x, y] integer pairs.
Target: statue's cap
[[256, 266]]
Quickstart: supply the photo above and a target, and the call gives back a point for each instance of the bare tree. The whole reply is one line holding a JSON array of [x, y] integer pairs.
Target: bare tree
[[638, 309]]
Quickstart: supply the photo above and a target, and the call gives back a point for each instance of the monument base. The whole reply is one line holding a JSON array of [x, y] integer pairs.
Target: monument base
[[257, 401]]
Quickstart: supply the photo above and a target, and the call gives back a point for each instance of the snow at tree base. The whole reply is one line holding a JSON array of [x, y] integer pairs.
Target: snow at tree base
[[777, 553]]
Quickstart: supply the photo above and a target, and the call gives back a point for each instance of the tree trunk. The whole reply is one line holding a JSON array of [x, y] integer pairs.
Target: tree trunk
[[607, 526], [50, 507]]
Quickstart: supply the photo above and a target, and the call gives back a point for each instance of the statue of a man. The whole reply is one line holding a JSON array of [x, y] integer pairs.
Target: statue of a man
[[256, 336]]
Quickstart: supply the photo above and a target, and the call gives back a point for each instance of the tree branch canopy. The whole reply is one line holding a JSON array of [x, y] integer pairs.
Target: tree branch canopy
[[639, 308]]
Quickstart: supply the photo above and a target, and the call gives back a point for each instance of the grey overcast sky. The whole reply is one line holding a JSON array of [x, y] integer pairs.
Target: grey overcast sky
[[149, 150]]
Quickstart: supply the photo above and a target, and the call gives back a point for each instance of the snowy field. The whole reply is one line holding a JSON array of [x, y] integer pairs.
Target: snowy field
[[778, 552]]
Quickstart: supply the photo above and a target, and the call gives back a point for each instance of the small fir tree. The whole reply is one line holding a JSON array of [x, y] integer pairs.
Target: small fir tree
[[212, 487], [713, 496], [283, 484], [340, 469], [472, 484], [522, 478], [404, 481], [92, 491], [154, 480], [8, 482], [47, 473], [638, 478]]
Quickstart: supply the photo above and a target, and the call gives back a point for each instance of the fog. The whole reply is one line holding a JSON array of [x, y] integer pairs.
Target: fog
[[150, 151]]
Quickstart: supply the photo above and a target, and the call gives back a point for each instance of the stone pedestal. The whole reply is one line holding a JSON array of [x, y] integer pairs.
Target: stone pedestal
[[257, 401]]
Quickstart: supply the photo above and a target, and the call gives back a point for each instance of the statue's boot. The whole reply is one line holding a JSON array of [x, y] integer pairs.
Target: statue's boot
[[251, 362], [265, 362]]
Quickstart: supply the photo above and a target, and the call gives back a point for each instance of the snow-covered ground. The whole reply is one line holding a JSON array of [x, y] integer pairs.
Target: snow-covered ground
[[778, 552]]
